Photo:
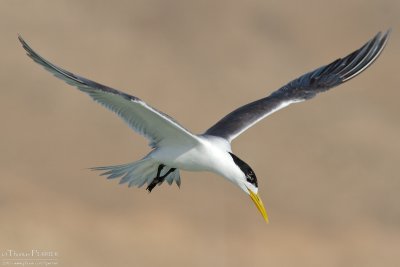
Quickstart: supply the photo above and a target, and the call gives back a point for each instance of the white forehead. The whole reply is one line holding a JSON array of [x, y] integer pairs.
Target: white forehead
[[246, 186]]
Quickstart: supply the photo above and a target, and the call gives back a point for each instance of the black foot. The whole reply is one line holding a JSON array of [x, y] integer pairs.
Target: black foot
[[159, 179], [152, 185]]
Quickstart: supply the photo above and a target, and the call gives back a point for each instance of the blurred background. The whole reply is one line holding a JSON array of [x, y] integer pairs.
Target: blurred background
[[328, 169]]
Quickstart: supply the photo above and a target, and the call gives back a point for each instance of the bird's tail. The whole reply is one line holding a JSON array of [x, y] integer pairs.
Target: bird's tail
[[138, 173]]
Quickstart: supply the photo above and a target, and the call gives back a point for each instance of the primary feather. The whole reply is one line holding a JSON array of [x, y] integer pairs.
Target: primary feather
[[303, 88], [142, 118]]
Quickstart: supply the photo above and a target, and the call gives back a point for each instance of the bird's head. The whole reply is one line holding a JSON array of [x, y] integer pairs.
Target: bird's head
[[248, 183]]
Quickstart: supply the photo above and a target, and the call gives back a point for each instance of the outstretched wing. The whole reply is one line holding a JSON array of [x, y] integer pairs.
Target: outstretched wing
[[300, 89], [156, 126]]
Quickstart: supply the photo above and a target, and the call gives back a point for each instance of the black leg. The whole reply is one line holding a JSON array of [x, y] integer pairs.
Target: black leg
[[168, 172], [159, 179], [160, 167]]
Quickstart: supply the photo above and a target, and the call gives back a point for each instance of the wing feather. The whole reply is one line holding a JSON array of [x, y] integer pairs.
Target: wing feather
[[158, 127], [303, 88]]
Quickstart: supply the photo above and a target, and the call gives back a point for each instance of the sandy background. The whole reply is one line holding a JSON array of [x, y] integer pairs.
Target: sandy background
[[328, 169]]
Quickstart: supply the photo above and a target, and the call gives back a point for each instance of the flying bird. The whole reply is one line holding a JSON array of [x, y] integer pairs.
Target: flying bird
[[175, 148]]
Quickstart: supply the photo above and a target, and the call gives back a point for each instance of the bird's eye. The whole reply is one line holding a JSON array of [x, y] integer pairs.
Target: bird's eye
[[250, 175], [251, 178]]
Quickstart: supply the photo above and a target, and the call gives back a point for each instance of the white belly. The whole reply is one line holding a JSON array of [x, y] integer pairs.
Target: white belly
[[208, 155]]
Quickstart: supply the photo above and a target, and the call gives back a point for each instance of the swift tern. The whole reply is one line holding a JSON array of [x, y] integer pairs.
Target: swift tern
[[174, 147]]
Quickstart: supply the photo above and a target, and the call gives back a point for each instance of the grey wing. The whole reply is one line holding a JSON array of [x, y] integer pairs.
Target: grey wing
[[300, 89], [158, 127]]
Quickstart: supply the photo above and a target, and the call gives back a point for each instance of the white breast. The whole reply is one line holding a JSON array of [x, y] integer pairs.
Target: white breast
[[211, 154]]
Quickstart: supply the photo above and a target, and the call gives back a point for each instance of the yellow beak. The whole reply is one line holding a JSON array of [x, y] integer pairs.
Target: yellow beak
[[260, 206]]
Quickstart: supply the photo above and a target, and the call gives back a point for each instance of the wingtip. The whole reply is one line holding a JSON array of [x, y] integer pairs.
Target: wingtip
[[21, 40], [384, 37], [387, 34], [24, 45]]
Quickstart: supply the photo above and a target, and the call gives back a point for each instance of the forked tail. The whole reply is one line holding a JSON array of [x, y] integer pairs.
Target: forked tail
[[138, 173]]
